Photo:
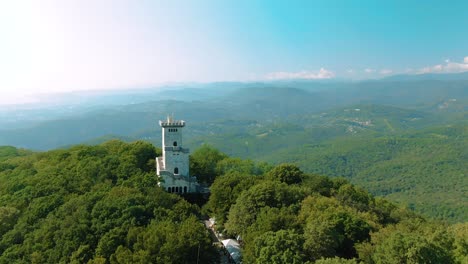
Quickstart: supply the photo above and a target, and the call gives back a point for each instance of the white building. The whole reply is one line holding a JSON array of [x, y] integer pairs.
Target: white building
[[173, 167]]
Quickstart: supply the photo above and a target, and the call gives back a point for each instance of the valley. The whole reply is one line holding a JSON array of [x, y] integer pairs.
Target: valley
[[404, 140]]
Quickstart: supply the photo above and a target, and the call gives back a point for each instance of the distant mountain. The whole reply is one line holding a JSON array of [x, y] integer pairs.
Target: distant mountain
[[204, 107], [429, 76], [393, 137]]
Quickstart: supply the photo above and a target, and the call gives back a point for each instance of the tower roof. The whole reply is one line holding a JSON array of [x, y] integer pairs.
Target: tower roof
[[170, 122]]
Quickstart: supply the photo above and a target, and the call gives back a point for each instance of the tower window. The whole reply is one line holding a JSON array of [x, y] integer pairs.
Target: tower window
[[174, 144], [176, 170]]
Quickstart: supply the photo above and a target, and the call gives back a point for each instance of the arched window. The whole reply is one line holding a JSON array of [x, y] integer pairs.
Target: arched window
[[176, 170], [174, 144], [169, 189], [185, 189], [176, 189]]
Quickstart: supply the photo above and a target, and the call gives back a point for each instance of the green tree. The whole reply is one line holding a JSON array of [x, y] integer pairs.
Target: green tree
[[8, 217], [355, 197], [268, 193], [413, 241], [287, 173], [203, 163], [171, 242], [281, 247], [224, 193], [460, 243], [331, 229]]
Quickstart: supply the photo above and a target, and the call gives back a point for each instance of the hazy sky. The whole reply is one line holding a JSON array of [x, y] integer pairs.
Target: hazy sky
[[73, 45]]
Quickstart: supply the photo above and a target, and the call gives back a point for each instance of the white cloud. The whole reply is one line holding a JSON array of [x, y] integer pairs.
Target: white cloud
[[369, 70], [385, 71], [448, 67], [321, 74], [350, 71]]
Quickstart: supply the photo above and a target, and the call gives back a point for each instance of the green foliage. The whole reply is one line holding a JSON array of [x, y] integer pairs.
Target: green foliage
[[101, 204], [287, 173], [460, 243], [336, 260], [281, 247], [319, 184], [423, 171], [265, 194], [238, 165], [95, 204], [224, 192], [355, 197], [203, 163], [8, 216], [7, 152], [169, 242], [326, 220], [413, 241], [332, 229]]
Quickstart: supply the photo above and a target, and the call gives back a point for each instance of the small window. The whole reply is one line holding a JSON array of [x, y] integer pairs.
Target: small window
[[185, 189], [174, 144], [176, 170]]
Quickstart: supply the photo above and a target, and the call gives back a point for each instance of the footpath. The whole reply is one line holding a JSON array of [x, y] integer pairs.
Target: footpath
[[223, 254]]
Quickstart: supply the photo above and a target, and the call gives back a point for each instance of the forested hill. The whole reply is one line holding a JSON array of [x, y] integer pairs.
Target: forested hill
[[403, 155], [95, 204], [101, 204]]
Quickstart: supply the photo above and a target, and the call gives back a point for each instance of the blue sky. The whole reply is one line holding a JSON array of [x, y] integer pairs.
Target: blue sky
[[63, 45]]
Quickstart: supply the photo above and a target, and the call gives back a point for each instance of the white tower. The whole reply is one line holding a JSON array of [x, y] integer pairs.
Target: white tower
[[173, 167]]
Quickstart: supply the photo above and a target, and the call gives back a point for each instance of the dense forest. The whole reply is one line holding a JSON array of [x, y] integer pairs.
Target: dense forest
[[420, 167], [94, 204], [101, 204]]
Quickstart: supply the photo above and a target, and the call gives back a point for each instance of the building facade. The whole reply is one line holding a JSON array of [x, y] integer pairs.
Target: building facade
[[172, 168]]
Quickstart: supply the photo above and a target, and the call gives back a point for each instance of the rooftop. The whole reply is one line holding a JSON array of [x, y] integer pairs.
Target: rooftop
[[170, 122]]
